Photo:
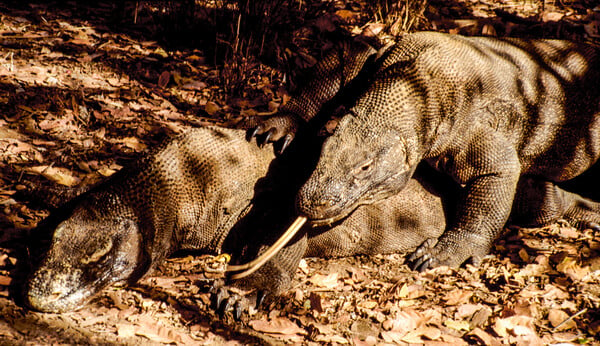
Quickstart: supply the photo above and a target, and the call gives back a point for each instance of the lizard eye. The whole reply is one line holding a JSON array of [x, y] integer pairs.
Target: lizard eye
[[102, 251], [363, 168]]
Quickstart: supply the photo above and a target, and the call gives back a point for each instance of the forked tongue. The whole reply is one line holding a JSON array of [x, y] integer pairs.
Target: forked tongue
[[258, 262]]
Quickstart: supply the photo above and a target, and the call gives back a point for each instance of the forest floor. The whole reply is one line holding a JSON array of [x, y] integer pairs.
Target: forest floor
[[80, 97]]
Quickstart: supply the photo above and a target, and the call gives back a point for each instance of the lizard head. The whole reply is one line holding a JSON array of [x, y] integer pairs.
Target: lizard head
[[87, 253], [359, 164]]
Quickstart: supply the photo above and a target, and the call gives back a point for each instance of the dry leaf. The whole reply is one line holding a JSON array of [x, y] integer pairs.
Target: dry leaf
[[456, 297], [556, 317], [125, 330], [194, 85], [572, 269], [278, 325], [368, 304], [58, 175], [325, 281], [413, 337], [5, 280], [431, 333], [457, 325], [404, 321], [163, 79], [133, 143], [315, 302], [211, 108], [392, 337], [517, 325]]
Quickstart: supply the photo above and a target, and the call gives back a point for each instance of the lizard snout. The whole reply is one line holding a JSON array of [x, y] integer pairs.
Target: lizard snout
[[320, 205]]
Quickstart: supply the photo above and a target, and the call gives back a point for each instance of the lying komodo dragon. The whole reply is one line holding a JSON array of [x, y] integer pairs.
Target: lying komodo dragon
[[192, 192], [485, 111], [195, 191]]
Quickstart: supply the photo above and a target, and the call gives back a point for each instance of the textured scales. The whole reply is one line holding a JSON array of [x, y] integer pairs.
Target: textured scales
[[194, 192], [211, 190], [343, 68], [485, 111]]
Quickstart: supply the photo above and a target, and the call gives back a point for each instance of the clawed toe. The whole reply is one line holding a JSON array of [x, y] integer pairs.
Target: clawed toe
[[226, 300]]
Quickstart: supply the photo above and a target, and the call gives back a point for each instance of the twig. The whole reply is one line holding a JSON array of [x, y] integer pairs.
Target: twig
[[570, 318]]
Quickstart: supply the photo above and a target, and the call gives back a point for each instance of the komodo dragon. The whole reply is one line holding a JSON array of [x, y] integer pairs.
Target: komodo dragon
[[199, 191], [193, 192], [485, 111]]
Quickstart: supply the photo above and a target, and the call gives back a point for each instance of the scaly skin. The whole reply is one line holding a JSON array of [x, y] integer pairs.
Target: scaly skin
[[484, 111], [209, 190], [212, 191]]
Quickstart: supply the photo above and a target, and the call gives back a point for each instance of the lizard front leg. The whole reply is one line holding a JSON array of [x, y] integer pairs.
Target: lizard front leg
[[488, 169]]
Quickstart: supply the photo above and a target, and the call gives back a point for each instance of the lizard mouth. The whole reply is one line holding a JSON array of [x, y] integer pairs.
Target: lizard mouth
[[332, 216], [327, 221]]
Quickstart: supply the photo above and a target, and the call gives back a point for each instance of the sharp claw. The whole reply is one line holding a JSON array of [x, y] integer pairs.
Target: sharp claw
[[594, 226], [260, 298], [423, 265], [238, 308], [227, 304], [286, 142], [419, 263], [416, 254], [253, 132], [218, 298], [269, 134]]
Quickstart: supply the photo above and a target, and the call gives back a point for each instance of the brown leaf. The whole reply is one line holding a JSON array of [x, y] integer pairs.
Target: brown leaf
[[211, 108], [430, 333], [516, 325], [557, 316], [392, 337], [133, 143], [325, 281], [5, 280], [484, 337], [163, 79], [368, 304], [405, 321], [572, 269], [315, 302], [58, 175], [461, 325], [278, 325], [457, 296], [194, 85]]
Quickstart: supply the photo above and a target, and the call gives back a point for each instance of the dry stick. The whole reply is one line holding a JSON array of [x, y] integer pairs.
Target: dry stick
[[253, 266], [570, 318]]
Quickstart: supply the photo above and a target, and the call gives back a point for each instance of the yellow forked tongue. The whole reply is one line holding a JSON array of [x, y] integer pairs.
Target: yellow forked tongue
[[255, 264]]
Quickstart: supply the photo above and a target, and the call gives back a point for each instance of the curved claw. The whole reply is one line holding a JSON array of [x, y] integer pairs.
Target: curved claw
[[422, 264], [238, 309], [420, 260], [287, 139], [227, 305], [254, 131], [270, 133], [218, 298], [260, 298]]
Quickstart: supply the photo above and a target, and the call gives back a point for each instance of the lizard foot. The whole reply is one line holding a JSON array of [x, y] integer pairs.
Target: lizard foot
[[231, 300], [277, 129], [445, 252]]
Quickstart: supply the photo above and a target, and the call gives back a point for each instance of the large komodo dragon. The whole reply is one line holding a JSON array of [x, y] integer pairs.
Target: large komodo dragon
[[488, 112], [199, 191], [213, 191]]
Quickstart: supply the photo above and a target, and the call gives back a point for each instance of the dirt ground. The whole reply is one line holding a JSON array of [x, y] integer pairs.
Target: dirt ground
[[84, 90]]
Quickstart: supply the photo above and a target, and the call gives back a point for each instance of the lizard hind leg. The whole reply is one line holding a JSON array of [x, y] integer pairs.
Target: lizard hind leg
[[581, 212], [540, 202]]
